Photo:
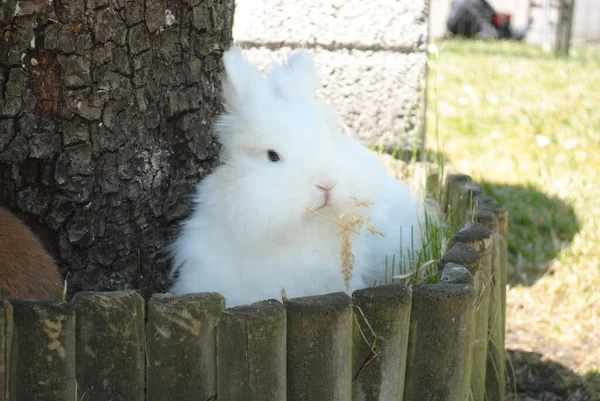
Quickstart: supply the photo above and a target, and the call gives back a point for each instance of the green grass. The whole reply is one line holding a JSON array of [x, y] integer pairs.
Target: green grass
[[527, 126]]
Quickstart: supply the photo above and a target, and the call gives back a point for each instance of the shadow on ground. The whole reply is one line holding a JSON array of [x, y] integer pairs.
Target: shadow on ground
[[530, 377], [540, 227]]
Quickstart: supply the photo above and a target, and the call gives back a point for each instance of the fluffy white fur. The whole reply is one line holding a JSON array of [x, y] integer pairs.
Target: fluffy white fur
[[250, 233]]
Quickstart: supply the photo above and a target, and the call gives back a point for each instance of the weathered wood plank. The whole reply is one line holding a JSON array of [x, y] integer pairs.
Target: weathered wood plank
[[495, 371], [441, 327], [379, 375], [42, 365], [251, 358], [478, 237], [6, 337], [181, 346], [319, 348], [460, 197], [110, 345], [489, 203]]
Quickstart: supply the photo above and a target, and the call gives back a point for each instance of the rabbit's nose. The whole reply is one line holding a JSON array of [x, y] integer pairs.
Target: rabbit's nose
[[326, 185]]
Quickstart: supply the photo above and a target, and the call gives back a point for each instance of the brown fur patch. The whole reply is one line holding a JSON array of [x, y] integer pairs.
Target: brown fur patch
[[27, 271]]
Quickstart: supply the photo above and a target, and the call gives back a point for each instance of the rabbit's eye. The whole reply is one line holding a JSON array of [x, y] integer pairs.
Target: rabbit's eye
[[273, 156]]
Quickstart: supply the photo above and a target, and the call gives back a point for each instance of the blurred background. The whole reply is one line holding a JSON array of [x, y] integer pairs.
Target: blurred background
[[545, 18], [512, 98]]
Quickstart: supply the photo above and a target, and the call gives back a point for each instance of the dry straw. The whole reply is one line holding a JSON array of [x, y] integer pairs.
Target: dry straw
[[350, 223]]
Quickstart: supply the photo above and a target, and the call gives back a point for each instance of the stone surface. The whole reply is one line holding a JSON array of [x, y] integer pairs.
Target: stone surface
[[393, 24], [373, 58], [379, 95], [105, 120]]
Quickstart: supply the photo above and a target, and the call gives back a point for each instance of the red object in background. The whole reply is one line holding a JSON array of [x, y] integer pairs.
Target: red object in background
[[501, 19]]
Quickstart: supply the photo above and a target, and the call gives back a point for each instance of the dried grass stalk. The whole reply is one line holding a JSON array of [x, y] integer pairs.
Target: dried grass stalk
[[284, 297], [350, 223]]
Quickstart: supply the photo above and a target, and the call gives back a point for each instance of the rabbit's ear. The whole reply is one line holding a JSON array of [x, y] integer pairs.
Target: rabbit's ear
[[296, 78], [243, 79]]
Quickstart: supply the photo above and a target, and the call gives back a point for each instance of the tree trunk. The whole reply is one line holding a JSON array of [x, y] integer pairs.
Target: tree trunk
[[105, 115]]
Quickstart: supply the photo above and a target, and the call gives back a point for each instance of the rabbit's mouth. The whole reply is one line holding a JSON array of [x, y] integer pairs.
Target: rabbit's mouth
[[326, 198], [326, 204], [326, 201]]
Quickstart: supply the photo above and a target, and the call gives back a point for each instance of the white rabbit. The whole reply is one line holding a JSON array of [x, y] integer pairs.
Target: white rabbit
[[251, 233]]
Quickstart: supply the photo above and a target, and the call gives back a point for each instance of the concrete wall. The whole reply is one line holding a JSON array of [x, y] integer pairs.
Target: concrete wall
[[371, 57]]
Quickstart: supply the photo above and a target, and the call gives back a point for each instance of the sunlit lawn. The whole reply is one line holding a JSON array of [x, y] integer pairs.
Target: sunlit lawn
[[527, 125]]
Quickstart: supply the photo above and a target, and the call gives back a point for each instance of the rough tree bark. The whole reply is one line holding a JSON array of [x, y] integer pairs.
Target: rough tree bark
[[105, 116]]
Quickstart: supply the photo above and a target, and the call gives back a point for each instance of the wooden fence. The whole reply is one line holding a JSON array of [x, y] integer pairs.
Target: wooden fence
[[438, 342]]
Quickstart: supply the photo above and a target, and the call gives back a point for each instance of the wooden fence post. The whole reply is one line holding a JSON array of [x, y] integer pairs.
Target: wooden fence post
[[456, 274], [251, 358], [452, 185], [494, 388], [181, 346], [480, 239], [433, 180], [441, 325], [110, 345], [42, 359], [6, 337], [427, 176], [489, 203], [460, 194], [379, 374], [319, 348]]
